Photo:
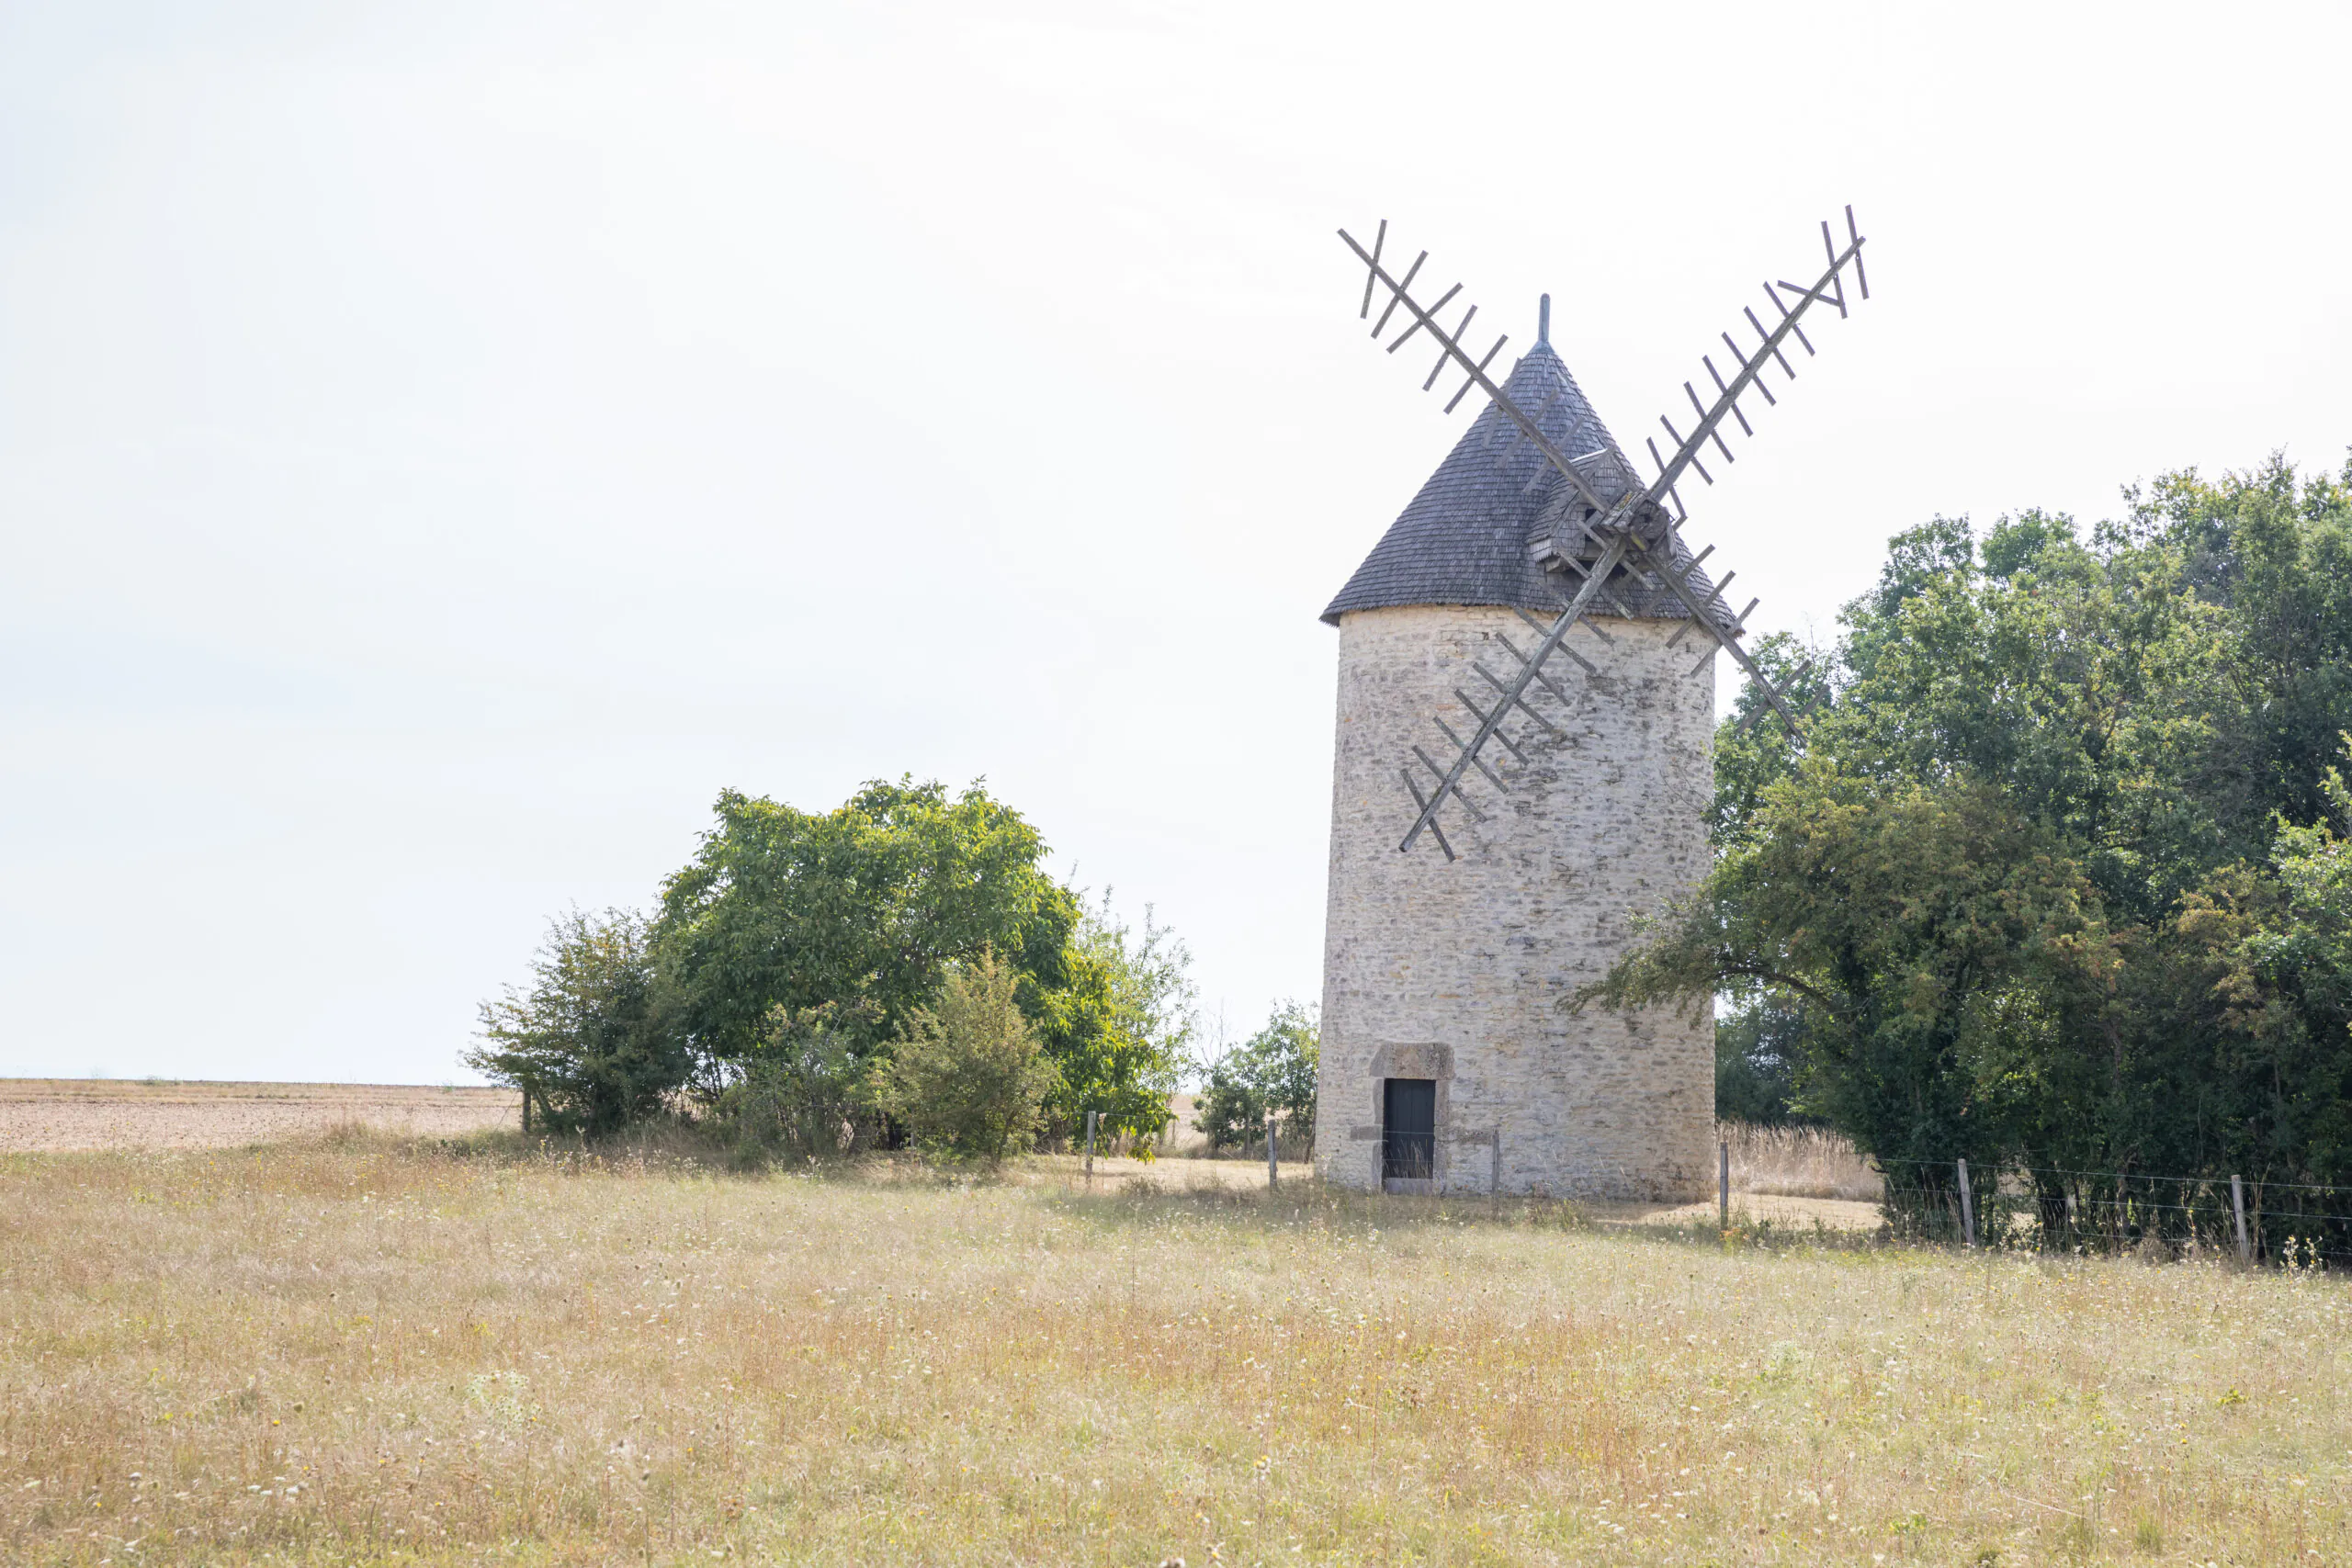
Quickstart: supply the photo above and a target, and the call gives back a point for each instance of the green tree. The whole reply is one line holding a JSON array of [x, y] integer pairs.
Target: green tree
[[1272, 1070], [868, 906], [2263, 1040], [588, 1042], [1120, 1027], [2271, 552], [1913, 927], [2052, 879], [1759, 1045], [967, 1075]]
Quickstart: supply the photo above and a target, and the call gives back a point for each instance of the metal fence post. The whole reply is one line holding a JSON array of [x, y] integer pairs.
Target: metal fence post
[[1967, 1208], [1722, 1182], [1273, 1173], [1495, 1173], [1091, 1118], [2237, 1204]]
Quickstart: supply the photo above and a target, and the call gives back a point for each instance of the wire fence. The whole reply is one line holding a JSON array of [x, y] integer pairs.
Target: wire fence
[[2044, 1209]]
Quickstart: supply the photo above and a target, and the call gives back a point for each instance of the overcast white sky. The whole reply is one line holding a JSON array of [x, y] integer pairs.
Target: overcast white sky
[[442, 445]]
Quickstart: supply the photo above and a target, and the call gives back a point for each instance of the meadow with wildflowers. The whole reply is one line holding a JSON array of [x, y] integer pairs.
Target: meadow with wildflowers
[[365, 1350]]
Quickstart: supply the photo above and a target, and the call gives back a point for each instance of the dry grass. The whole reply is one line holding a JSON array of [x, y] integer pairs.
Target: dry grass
[[1798, 1162], [111, 1114], [356, 1351]]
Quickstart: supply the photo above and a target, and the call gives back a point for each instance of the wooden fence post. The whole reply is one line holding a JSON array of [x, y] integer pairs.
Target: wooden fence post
[[526, 1111], [2237, 1204], [1273, 1173], [1495, 1173], [1967, 1208], [1722, 1182], [1090, 1117]]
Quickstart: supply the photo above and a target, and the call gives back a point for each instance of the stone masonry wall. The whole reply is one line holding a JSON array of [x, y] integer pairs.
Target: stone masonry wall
[[1455, 971]]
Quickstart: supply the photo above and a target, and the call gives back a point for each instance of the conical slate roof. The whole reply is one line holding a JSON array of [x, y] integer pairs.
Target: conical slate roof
[[1466, 539]]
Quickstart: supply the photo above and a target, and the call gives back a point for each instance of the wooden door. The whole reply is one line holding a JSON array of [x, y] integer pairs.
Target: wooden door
[[1408, 1122]]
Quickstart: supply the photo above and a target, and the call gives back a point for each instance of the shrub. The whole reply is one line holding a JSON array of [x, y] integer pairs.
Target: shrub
[[808, 1091], [967, 1074], [587, 1042]]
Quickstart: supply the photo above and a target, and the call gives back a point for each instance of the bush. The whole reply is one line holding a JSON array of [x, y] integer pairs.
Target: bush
[[587, 1043], [967, 1075], [808, 1091], [1272, 1070]]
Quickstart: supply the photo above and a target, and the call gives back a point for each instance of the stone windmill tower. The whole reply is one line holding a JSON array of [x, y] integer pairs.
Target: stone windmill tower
[[1527, 628]]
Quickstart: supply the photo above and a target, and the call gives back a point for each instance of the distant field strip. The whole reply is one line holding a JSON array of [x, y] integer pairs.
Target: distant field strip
[[103, 1114]]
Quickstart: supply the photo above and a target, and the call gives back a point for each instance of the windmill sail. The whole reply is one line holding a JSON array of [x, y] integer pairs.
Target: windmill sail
[[1609, 532]]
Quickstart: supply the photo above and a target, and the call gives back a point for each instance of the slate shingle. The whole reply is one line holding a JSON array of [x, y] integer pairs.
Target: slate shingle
[[1464, 538]]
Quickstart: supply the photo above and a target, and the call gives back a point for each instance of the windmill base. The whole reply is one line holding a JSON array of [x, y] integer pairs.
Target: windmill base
[[1456, 975]]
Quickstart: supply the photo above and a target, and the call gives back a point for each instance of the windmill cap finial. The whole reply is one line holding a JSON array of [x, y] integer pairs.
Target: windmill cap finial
[[1543, 321]]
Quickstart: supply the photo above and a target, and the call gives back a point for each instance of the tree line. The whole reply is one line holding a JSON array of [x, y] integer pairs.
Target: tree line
[[901, 969], [2058, 876]]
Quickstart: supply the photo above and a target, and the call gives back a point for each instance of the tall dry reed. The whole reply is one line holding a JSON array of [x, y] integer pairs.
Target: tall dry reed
[[1798, 1162]]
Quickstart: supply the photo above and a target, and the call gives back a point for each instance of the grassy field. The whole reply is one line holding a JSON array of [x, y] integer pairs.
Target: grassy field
[[363, 1350]]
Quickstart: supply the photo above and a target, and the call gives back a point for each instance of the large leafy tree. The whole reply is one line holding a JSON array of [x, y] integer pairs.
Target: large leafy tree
[[1919, 928], [2052, 880], [865, 911], [798, 948], [864, 908]]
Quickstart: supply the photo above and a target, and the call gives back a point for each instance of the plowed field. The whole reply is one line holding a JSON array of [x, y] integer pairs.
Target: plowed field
[[103, 1114]]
